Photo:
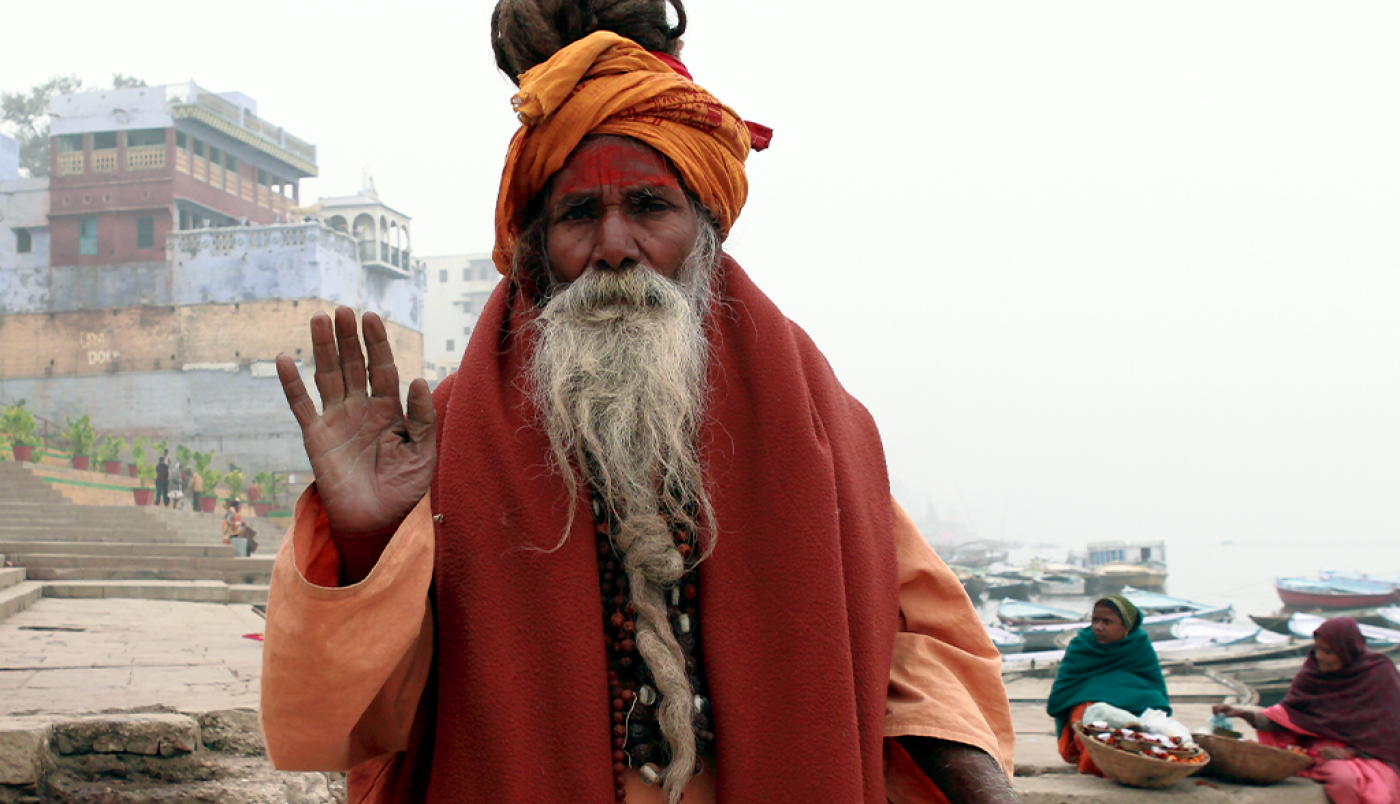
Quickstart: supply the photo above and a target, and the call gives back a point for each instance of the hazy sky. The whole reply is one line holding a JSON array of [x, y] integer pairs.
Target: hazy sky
[[1100, 270]]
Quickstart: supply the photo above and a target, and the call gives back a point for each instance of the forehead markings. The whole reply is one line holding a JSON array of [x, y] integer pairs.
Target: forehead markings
[[613, 163]]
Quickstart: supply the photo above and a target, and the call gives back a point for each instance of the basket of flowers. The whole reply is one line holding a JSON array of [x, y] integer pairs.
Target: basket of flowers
[[1250, 762], [1140, 759]]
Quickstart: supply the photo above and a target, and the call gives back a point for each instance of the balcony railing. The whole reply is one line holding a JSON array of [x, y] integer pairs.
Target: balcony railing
[[216, 176], [145, 157], [182, 161], [262, 196], [201, 168], [70, 164], [233, 239], [104, 160]]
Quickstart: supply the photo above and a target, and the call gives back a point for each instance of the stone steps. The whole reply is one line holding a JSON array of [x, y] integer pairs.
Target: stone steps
[[212, 550], [19, 597], [262, 564], [188, 591], [10, 576]]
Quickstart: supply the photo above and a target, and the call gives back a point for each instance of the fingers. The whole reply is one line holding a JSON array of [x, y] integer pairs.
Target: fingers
[[302, 407], [422, 420], [329, 381], [383, 374], [352, 360]]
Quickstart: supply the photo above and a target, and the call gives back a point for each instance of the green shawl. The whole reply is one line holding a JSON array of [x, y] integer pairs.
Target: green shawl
[[1124, 674]]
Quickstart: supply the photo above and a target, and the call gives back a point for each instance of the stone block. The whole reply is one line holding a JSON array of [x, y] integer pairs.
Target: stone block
[[1078, 789], [22, 742], [232, 731], [145, 734]]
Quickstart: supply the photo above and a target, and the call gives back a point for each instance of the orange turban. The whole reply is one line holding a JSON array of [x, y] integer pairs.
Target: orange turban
[[606, 84]]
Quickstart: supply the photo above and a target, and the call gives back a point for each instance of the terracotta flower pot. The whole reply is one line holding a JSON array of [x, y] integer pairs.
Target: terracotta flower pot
[[131, 469], [112, 467], [261, 509], [144, 496], [23, 454], [254, 493], [80, 462], [208, 504]]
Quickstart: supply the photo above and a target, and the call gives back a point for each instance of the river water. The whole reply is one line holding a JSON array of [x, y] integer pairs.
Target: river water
[[1242, 574]]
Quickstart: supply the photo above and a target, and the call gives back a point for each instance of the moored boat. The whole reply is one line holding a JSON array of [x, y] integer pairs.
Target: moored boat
[[1154, 603], [1006, 640], [1304, 625], [1157, 626], [1305, 593], [1018, 612], [1052, 585], [1109, 578]]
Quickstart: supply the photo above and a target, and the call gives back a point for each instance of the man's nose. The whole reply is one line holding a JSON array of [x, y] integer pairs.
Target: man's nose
[[617, 247]]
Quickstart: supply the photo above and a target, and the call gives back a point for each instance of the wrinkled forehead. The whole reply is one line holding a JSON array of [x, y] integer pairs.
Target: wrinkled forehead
[[611, 162]]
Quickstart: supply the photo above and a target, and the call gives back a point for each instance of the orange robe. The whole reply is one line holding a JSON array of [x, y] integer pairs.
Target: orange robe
[[1071, 749], [344, 668]]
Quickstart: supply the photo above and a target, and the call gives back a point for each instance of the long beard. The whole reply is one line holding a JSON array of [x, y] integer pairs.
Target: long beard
[[619, 380]]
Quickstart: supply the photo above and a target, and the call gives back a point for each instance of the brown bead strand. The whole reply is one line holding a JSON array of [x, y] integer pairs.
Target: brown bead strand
[[636, 736]]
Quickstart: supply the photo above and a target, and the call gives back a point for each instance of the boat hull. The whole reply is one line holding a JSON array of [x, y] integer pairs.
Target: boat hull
[[1295, 599]]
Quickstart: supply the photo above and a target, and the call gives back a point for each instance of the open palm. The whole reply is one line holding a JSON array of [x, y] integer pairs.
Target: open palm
[[372, 463]]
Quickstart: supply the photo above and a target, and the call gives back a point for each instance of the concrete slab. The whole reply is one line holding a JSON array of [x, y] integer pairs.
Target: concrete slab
[[1076, 789]]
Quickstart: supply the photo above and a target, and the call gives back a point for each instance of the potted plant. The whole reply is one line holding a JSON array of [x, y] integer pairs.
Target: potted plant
[[234, 480], [209, 499], [265, 482], [17, 426], [138, 455], [109, 453], [146, 494], [80, 437]]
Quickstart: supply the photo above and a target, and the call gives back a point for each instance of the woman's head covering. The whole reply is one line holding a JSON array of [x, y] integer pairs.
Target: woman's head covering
[[1132, 617], [1124, 674], [1359, 704], [606, 84]]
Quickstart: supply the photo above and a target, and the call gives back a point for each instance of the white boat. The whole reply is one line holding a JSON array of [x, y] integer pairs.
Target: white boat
[[1390, 614], [1304, 625], [1388, 580], [1150, 603], [1224, 633], [1020, 612], [1157, 626], [1052, 585], [1006, 640]]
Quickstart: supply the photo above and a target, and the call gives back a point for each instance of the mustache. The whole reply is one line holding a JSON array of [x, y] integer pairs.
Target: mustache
[[638, 287]]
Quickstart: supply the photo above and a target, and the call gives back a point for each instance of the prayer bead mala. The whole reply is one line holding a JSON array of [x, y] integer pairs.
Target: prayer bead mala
[[637, 738]]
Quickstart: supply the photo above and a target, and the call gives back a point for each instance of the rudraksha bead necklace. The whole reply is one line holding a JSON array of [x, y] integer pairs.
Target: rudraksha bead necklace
[[637, 739]]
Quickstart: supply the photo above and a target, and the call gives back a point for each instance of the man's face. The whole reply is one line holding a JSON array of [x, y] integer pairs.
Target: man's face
[[617, 204]]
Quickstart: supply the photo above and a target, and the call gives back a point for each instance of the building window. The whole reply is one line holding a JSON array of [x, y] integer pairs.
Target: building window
[[182, 141], [216, 156], [199, 148], [451, 344], [442, 276], [24, 243], [466, 274], [146, 232], [144, 137], [104, 139], [87, 235], [264, 179], [69, 143], [231, 162], [466, 330]]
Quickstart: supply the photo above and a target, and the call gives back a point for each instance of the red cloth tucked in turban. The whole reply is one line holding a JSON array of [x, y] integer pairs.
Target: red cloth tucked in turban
[[605, 84]]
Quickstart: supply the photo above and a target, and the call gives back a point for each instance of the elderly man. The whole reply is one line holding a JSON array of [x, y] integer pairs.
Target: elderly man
[[642, 543]]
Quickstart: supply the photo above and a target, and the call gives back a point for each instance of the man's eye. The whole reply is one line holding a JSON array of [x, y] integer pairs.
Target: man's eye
[[649, 203], [575, 212]]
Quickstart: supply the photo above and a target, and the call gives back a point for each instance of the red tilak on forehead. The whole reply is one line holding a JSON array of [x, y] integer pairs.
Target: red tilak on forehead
[[614, 163]]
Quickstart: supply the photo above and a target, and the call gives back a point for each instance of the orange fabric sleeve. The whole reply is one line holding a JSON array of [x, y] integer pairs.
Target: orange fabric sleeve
[[344, 668], [945, 676], [1071, 750]]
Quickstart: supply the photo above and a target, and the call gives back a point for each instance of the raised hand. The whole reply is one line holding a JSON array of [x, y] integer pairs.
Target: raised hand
[[372, 464]]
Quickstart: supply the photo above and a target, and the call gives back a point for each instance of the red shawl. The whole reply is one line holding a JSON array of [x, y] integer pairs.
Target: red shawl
[[799, 604], [1359, 704]]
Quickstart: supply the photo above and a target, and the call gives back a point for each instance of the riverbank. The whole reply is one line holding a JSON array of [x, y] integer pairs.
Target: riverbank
[[122, 700]]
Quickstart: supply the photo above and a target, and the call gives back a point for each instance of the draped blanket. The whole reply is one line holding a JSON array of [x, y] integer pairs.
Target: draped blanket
[[800, 596], [1359, 704], [1124, 674]]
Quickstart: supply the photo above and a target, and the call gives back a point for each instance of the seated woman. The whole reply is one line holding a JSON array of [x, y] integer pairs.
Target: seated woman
[[1110, 662], [1344, 709]]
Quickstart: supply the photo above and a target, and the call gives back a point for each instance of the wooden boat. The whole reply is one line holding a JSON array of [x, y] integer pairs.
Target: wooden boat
[[1052, 585], [1198, 687], [1303, 625], [1390, 614], [1007, 641], [1305, 593], [1017, 612], [1150, 603], [1278, 623], [1002, 588], [1387, 580], [1157, 626], [1224, 633], [1110, 578]]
